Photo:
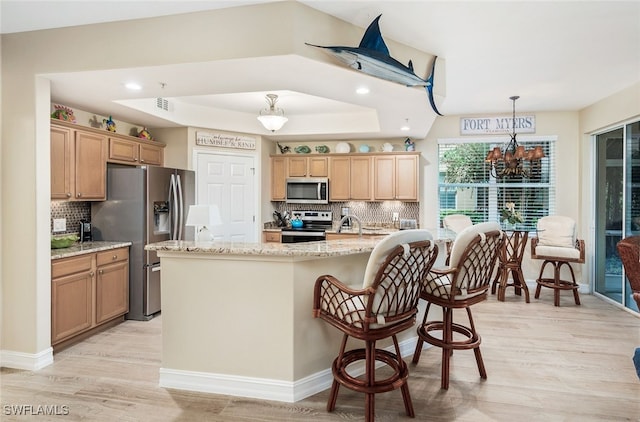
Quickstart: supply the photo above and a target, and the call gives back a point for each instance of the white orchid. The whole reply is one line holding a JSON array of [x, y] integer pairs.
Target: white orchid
[[509, 213]]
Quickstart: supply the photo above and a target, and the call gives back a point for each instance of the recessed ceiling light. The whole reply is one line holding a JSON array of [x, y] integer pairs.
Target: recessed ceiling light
[[133, 86], [362, 90], [406, 126]]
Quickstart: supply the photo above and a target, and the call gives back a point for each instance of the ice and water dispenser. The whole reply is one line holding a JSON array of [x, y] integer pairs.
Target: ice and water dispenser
[[161, 217]]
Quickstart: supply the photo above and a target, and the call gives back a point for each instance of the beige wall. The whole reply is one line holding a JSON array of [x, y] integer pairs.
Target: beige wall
[[24, 144], [564, 125], [25, 138]]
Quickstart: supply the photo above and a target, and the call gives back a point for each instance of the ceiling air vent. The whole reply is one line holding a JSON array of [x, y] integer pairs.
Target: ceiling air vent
[[162, 103]]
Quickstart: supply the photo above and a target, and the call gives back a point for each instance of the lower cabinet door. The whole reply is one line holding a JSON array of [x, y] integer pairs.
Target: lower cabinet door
[[112, 291], [72, 305]]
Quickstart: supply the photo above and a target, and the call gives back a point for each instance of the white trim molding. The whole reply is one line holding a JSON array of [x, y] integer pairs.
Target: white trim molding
[[28, 361], [261, 388]]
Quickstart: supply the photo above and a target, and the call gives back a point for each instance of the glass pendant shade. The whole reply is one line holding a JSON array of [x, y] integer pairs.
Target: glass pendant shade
[[272, 118]]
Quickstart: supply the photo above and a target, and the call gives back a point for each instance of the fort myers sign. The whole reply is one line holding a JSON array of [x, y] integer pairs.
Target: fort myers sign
[[496, 125]]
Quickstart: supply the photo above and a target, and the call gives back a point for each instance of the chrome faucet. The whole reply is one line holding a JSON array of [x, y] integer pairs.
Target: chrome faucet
[[353, 217]]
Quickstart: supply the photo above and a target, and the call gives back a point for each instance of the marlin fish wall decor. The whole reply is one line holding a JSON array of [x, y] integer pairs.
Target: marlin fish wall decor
[[372, 57]]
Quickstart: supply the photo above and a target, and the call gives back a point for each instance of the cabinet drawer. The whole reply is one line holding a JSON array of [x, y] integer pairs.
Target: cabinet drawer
[[272, 237], [68, 266], [113, 255]]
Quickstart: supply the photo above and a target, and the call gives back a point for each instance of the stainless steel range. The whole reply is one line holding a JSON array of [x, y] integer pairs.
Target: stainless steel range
[[314, 227]]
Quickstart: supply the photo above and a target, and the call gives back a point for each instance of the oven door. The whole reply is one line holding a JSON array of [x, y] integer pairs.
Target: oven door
[[290, 236]]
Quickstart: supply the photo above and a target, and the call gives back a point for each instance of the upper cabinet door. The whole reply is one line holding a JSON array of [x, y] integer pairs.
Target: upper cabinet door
[[90, 166], [278, 178], [361, 186], [407, 178], [384, 178], [62, 163], [318, 167], [340, 179]]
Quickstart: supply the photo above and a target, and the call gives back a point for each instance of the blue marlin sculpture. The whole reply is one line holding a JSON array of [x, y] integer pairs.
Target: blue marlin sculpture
[[372, 57]]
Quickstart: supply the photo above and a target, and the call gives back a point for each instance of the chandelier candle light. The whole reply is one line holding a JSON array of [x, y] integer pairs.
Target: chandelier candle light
[[272, 118], [512, 160]]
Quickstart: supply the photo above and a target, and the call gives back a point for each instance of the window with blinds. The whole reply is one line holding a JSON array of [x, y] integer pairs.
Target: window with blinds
[[467, 185]]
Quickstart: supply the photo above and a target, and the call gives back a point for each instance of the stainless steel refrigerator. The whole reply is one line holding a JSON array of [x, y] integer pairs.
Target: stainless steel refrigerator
[[145, 204]]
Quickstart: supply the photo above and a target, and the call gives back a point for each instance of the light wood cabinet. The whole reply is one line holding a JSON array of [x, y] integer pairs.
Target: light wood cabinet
[[62, 163], [88, 291], [71, 297], [340, 178], [308, 166], [278, 178], [78, 164], [126, 151], [112, 284], [361, 185], [79, 158], [151, 154], [90, 166], [352, 177], [395, 178], [272, 237]]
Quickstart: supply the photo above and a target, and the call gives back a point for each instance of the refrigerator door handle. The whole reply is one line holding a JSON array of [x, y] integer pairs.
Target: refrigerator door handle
[[172, 200], [180, 207]]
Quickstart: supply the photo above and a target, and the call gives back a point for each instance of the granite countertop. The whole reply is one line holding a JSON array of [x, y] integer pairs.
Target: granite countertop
[[305, 249], [438, 234], [86, 247]]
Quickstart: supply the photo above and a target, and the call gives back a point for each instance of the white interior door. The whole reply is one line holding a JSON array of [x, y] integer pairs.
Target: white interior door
[[228, 181]]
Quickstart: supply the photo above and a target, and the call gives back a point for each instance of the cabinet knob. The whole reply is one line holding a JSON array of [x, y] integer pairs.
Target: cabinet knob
[[142, 161], [115, 257], [68, 194], [92, 273], [79, 195], [100, 271]]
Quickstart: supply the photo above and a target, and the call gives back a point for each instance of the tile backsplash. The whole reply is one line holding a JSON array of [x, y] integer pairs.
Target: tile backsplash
[[368, 212], [74, 212]]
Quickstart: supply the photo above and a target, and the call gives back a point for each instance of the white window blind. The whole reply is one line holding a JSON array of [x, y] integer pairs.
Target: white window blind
[[466, 185]]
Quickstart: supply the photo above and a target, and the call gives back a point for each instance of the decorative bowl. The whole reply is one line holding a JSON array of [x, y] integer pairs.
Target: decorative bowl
[[364, 148], [343, 147], [63, 241]]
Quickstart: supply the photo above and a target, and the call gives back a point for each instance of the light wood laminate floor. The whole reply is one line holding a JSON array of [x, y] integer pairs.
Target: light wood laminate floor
[[544, 363]]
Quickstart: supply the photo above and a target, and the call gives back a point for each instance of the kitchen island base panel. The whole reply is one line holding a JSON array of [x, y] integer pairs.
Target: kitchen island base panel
[[243, 325], [265, 389]]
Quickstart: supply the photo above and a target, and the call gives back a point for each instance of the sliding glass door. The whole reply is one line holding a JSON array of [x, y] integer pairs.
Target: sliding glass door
[[618, 207]]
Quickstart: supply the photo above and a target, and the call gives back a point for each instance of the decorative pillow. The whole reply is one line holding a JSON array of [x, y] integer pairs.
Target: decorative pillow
[[557, 230]]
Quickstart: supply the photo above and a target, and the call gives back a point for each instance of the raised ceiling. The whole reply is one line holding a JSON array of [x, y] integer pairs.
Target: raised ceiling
[[558, 56]]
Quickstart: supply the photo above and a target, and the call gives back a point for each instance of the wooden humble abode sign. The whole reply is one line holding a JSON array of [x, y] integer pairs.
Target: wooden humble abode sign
[[493, 125], [225, 140]]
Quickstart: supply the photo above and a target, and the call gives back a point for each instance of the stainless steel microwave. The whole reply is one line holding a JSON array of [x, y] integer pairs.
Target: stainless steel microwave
[[307, 190]]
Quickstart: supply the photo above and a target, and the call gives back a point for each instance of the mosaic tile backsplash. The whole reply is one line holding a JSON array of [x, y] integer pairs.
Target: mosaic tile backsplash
[[74, 212], [368, 212]]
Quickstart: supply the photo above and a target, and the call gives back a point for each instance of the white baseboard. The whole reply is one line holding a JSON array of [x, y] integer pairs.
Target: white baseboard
[[28, 361], [261, 388]]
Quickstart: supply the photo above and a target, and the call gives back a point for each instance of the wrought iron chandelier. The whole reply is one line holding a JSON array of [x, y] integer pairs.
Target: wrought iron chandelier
[[510, 163], [272, 118]]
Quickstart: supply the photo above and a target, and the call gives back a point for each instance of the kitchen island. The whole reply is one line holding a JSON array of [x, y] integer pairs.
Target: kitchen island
[[237, 317]]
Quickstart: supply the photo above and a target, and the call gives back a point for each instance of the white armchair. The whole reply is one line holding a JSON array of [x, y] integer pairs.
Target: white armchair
[[557, 244]]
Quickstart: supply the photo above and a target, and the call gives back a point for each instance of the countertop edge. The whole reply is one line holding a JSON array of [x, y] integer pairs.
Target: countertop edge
[[306, 249], [86, 248]]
